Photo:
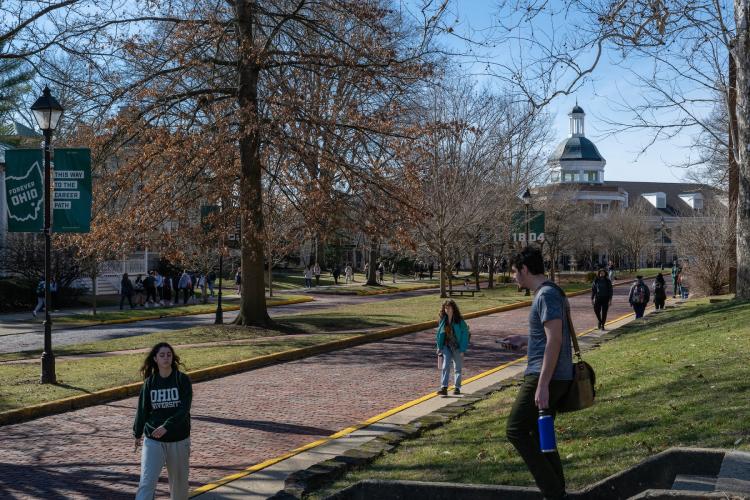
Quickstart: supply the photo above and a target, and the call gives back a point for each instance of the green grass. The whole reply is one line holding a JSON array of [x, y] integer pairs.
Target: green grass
[[400, 311], [677, 379], [163, 312], [19, 383]]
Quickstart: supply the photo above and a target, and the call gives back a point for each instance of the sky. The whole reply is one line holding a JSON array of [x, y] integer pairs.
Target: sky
[[599, 96]]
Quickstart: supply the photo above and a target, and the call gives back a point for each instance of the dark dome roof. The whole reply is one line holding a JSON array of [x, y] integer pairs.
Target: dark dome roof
[[576, 148], [577, 109]]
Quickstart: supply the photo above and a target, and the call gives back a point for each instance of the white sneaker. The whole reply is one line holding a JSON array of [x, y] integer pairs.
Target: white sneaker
[[33, 313]]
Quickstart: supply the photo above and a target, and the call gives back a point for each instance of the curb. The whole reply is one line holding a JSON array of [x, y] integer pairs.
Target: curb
[[300, 300], [302, 482], [116, 393]]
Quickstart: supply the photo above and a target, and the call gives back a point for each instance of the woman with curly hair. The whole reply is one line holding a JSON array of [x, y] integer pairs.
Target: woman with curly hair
[[164, 417], [452, 341]]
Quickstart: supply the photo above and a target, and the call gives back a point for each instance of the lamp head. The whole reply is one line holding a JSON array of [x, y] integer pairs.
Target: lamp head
[[526, 197], [47, 111]]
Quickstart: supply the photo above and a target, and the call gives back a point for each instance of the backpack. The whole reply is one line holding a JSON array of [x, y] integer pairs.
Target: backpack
[[640, 294], [40, 291]]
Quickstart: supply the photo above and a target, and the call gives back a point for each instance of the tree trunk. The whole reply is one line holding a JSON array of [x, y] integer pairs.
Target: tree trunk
[[742, 59], [443, 292], [253, 301], [491, 270], [372, 270], [476, 268], [94, 274], [732, 173], [270, 273]]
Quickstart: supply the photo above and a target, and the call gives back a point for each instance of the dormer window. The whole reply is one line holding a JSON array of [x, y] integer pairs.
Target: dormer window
[[694, 200], [658, 200]]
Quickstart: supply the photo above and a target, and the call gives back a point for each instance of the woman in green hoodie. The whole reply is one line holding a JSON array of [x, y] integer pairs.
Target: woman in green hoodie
[[164, 417], [452, 340]]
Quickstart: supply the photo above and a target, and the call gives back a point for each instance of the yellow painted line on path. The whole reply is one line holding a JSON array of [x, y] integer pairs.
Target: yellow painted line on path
[[344, 432]]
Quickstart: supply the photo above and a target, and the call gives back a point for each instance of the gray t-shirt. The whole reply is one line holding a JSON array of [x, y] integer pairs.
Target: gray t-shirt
[[548, 305]]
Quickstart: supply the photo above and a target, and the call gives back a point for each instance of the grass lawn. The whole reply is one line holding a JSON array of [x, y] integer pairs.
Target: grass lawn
[[679, 378], [163, 312], [19, 383], [401, 311]]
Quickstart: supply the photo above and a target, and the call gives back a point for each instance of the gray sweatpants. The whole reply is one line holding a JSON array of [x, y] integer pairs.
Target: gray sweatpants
[[153, 457]]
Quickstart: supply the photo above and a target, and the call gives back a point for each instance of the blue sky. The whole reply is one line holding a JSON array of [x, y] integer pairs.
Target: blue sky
[[600, 97]]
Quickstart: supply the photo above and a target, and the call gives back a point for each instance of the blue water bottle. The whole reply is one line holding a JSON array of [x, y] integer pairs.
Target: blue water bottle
[[547, 440]]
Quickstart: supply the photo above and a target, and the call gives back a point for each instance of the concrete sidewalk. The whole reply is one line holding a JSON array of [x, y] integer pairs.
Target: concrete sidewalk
[[266, 479]]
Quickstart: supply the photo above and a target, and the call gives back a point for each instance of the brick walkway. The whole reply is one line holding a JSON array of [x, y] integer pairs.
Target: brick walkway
[[247, 418]]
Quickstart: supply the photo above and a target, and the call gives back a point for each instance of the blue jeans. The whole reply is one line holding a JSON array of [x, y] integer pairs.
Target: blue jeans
[[639, 309], [308, 282], [458, 361]]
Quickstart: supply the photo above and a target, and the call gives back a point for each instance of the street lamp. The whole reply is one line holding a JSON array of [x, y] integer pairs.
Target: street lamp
[[526, 197], [662, 255], [47, 112]]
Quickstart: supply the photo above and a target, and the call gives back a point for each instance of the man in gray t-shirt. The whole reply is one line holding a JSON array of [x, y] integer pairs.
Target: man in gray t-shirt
[[548, 375], [548, 305]]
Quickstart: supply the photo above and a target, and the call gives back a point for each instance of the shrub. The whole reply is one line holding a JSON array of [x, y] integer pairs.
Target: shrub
[[590, 276], [16, 295]]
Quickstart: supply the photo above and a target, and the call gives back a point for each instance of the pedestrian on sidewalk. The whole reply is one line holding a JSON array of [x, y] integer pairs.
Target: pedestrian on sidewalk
[[431, 269], [138, 286], [308, 276], [185, 284], [238, 280], [316, 272], [675, 275], [394, 268], [167, 291], [452, 340], [40, 297], [639, 296], [601, 297], [349, 274], [660, 292], [163, 416], [210, 279], [336, 273], [381, 272], [548, 373], [126, 291], [149, 283]]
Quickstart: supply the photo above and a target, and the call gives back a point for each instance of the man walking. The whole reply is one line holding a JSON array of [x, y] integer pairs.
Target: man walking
[[675, 273], [601, 297], [639, 296], [548, 374]]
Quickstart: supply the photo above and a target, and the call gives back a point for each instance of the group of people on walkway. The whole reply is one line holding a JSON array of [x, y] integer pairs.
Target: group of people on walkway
[[157, 290]]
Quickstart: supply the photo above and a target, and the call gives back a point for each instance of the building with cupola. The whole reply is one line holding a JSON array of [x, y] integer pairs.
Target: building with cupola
[[577, 163]]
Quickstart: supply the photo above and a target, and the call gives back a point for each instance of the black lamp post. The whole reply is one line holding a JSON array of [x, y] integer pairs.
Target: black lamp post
[[47, 112], [662, 255], [527, 205]]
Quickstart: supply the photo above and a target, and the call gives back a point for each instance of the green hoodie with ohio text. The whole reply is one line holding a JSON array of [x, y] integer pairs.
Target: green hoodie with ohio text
[[164, 402]]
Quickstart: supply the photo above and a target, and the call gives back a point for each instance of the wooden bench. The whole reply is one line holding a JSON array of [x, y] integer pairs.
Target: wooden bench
[[461, 292]]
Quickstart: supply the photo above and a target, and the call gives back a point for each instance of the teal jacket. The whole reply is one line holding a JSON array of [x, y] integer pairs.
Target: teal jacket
[[461, 330]]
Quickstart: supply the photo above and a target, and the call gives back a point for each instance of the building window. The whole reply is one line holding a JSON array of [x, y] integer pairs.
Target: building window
[[592, 176], [601, 208], [569, 176]]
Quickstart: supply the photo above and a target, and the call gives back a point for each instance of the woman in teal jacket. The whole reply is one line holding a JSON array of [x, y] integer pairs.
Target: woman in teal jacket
[[452, 341]]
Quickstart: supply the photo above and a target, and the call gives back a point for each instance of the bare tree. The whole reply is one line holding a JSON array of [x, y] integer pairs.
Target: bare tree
[[632, 230], [705, 239]]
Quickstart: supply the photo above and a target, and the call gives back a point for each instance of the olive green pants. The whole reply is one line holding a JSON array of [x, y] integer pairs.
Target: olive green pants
[[523, 433]]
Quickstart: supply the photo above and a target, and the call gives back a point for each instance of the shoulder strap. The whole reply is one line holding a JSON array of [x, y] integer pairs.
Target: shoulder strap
[[568, 319]]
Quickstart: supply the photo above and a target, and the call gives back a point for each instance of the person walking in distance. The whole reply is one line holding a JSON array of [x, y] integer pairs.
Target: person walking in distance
[[185, 284], [238, 280], [675, 274], [660, 292], [452, 340], [308, 277], [548, 375], [163, 417], [316, 272], [601, 297], [639, 296], [126, 291], [349, 274], [40, 297]]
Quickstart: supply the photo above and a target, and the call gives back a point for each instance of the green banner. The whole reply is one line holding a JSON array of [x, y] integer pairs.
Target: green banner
[[71, 204], [24, 190], [536, 226]]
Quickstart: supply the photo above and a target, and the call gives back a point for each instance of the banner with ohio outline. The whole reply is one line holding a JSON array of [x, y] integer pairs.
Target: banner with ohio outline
[[24, 190]]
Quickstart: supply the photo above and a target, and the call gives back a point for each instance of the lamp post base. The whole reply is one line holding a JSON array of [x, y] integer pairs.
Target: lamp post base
[[219, 316], [48, 368]]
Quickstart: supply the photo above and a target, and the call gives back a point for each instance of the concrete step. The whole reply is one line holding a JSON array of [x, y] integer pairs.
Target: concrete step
[[694, 483], [734, 475]]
